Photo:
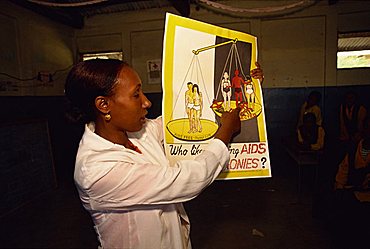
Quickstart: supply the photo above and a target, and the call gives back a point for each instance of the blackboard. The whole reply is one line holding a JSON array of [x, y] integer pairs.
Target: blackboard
[[26, 163]]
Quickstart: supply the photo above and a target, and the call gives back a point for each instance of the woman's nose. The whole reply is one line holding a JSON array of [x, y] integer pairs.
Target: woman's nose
[[146, 102]]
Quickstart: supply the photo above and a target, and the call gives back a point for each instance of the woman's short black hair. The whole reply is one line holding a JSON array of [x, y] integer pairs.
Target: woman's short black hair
[[87, 80]]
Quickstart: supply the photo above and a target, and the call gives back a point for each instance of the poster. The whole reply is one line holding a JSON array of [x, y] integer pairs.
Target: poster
[[206, 72], [154, 71]]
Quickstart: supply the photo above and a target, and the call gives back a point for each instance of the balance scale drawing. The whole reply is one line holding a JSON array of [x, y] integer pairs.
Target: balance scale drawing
[[235, 88]]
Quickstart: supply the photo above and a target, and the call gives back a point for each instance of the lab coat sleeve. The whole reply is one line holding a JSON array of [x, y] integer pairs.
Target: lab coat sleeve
[[158, 128], [132, 185]]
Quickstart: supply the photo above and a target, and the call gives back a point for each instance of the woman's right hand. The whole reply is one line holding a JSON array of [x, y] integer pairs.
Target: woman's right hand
[[257, 73], [230, 125]]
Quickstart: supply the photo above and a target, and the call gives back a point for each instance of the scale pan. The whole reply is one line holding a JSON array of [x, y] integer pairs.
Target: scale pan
[[245, 113], [180, 129]]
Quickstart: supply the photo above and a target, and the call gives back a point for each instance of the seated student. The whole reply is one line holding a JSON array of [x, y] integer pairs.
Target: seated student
[[311, 105], [310, 135], [352, 115], [354, 170]]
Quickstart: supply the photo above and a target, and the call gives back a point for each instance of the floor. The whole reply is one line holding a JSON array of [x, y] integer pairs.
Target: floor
[[255, 213]]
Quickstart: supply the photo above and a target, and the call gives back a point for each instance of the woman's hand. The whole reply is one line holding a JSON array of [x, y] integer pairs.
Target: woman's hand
[[230, 125], [257, 73]]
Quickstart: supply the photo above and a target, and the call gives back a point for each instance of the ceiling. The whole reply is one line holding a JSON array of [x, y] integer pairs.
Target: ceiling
[[73, 12]]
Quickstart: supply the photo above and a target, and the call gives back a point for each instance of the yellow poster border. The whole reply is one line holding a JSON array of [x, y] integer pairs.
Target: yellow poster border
[[174, 21], [244, 174]]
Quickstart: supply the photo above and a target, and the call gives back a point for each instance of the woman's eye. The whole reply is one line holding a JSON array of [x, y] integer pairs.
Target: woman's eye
[[137, 94]]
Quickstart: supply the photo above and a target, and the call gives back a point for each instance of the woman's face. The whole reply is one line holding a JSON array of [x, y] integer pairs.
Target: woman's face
[[128, 104], [195, 90]]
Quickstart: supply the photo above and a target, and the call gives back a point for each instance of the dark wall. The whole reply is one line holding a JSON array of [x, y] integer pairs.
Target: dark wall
[[281, 110], [64, 136], [282, 106]]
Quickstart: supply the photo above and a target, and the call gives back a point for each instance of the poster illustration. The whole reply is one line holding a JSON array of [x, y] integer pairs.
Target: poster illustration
[[205, 73]]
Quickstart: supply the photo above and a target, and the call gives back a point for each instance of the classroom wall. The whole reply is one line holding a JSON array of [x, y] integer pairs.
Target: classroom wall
[[296, 50], [30, 44]]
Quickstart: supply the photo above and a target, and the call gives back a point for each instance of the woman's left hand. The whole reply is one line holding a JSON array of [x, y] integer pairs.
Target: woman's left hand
[[257, 73]]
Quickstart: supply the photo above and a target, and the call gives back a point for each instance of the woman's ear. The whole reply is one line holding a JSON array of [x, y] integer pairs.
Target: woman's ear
[[102, 104]]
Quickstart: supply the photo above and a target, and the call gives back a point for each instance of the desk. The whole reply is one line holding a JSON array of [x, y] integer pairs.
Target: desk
[[303, 158]]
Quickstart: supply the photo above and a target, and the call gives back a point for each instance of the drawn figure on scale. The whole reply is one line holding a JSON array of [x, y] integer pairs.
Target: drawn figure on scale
[[197, 108], [226, 91], [249, 92], [189, 104], [237, 83]]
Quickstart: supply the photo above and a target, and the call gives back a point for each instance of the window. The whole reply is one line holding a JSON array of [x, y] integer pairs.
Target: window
[[353, 50], [107, 55]]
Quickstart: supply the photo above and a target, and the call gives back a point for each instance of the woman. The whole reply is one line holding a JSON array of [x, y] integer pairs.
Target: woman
[[249, 92], [123, 177], [197, 108], [226, 91], [189, 104]]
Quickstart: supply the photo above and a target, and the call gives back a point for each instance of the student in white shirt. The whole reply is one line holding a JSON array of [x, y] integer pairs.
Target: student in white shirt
[[123, 177], [311, 105]]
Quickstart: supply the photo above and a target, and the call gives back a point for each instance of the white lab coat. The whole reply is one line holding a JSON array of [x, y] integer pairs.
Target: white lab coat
[[135, 199]]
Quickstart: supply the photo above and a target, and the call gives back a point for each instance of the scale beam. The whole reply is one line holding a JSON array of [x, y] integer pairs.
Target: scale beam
[[196, 52]]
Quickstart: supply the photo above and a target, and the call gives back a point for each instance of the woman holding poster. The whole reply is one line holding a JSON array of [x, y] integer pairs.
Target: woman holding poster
[[123, 177]]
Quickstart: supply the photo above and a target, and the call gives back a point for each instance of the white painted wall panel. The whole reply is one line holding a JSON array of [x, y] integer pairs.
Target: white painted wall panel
[[294, 50]]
